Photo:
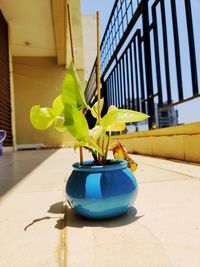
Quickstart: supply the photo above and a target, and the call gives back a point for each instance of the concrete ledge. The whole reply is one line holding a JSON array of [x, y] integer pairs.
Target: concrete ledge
[[178, 142]]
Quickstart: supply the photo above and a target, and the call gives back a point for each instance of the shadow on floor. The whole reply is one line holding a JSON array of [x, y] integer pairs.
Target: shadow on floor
[[14, 166], [36, 221], [73, 220], [57, 208]]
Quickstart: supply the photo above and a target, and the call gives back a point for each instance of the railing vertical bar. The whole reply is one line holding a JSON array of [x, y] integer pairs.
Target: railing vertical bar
[[141, 71], [121, 85], [166, 56], [132, 7], [115, 27], [110, 88], [113, 88], [121, 82], [110, 91], [157, 57], [118, 84], [132, 77], [126, 12], [127, 77], [105, 96], [177, 50], [124, 81], [122, 16], [191, 47], [109, 44], [136, 76], [148, 66], [113, 38], [118, 24]]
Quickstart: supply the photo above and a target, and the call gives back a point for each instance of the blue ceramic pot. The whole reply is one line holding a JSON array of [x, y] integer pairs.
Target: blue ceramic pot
[[101, 191]]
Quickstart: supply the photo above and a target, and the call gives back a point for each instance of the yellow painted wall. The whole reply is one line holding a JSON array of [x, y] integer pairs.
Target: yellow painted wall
[[178, 142], [37, 80], [89, 43], [77, 35]]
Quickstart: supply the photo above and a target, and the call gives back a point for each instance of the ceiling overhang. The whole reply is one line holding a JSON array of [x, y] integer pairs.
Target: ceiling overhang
[[59, 24], [37, 28]]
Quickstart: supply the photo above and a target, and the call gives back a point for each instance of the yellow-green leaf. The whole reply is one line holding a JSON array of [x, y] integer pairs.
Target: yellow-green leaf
[[94, 109], [115, 127], [72, 91], [58, 106], [119, 116], [59, 125], [42, 118], [75, 122]]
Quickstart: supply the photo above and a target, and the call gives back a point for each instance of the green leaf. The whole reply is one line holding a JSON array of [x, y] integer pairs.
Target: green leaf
[[94, 109], [119, 116], [59, 125], [75, 122], [58, 106], [42, 118], [72, 91]]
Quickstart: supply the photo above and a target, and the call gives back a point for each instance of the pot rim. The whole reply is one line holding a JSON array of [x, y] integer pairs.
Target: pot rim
[[117, 165]]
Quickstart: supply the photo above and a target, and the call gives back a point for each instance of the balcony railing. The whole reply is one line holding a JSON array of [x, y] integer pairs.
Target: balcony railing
[[143, 59]]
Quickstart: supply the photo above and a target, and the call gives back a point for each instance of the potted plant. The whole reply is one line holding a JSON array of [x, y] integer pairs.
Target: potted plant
[[102, 187]]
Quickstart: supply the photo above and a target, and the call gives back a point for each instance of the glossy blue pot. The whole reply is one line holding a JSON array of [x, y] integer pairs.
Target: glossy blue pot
[[101, 191]]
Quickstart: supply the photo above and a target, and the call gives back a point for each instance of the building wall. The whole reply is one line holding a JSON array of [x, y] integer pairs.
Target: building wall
[[37, 80]]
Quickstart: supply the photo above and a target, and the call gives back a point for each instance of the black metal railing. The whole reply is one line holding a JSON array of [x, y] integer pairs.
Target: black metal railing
[[143, 58], [91, 89]]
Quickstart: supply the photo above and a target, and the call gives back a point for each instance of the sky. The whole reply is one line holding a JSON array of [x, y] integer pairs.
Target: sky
[[189, 111], [89, 7]]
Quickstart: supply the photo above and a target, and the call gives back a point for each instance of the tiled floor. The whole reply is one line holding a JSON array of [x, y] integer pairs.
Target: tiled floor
[[163, 229]]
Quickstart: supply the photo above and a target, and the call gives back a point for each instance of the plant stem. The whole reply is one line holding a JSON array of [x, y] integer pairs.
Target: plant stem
[[107, 147], [99, 156], [102, 145]]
